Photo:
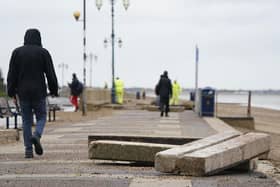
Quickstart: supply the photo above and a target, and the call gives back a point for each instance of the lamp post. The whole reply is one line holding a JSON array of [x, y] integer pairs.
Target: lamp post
[[62, 66], [77, 16], [99, 5]]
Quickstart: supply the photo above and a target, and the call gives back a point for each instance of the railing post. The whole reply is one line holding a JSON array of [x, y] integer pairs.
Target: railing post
[[7, 123], [249, 104], [216, 103]]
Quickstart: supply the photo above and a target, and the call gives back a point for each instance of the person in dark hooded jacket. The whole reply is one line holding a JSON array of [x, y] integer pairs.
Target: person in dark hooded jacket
[[164, 90], [29, 65], [76, 88]]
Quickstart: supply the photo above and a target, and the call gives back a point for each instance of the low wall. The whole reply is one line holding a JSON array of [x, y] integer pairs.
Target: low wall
[[97, 96]]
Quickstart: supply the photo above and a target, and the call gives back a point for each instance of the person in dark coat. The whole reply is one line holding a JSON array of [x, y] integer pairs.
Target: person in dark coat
[[164, 90], [29, 65], [76, 88]]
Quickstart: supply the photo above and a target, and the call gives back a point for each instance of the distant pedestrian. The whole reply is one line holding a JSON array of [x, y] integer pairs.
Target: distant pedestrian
[[29, 65], [76, 88], [105, 85], [119, 86], [164, 90], [176, 91], [143, 94]]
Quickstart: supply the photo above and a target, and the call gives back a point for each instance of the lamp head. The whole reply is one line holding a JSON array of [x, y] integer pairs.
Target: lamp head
[[106, 42], [120, 42], [126, 4], [98, 4], [76, 15]]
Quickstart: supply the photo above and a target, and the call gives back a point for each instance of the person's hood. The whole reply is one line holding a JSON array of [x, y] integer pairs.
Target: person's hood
[[32, 37], [165, 74]]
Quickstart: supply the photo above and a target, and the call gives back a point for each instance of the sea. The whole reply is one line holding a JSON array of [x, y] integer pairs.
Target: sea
[[268, 101]]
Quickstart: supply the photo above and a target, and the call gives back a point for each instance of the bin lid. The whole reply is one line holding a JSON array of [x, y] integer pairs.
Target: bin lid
[[208, 88]]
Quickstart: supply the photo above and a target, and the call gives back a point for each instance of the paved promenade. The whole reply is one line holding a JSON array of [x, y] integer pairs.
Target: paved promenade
[[65, 161]]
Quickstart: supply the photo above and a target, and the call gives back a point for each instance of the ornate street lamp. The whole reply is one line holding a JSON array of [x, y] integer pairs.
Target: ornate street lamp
[[99, 5]]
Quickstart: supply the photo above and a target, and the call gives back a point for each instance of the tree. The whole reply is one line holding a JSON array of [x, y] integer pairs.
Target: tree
[[2, 84]]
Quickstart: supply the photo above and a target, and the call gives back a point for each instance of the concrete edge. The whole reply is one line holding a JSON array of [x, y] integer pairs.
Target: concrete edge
[[143, 139], [219, 125]]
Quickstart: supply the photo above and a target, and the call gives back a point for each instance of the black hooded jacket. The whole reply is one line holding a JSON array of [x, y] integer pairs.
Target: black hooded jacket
[[76, 86], [164, 86], [29, 65]]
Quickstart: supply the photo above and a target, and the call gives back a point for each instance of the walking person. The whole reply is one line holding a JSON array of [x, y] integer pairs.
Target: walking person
[[176, 91], [119, 85], [164, 90], [76, 88], [29, 65]]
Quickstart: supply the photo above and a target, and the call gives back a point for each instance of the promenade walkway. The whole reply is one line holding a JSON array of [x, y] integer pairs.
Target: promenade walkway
[[65, 161]]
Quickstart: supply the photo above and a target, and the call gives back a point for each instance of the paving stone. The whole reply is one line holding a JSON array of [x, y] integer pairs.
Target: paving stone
[[224, 155], [9, 136], [160, 183], [165, 161], [125, 151], [171, 108]]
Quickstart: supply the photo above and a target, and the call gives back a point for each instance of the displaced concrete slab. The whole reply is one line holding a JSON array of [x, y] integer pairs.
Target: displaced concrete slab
[[125, 151], [165, 161], [224, 155], [145, 139]]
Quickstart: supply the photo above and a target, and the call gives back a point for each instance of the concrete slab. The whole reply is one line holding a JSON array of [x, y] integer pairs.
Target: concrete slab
[[125, 151], [224, 155], [165, 161]]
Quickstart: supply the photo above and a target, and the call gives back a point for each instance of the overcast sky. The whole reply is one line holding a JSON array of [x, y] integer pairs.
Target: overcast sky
[[239, 40]]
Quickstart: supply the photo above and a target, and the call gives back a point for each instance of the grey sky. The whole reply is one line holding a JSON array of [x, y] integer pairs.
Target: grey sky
[[239, 40]]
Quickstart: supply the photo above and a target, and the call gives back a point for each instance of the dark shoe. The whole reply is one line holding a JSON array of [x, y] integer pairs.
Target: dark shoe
[[28, 154], [166, 115], [38, 147], [161, 114]]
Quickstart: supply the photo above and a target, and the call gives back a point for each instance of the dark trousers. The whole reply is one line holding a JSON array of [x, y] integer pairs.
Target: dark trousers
[[27, 108], [164, 105]]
